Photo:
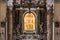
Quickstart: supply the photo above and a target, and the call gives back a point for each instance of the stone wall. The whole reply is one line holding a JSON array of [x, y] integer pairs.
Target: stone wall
[[57, 18], [2, 11], [2, 19]]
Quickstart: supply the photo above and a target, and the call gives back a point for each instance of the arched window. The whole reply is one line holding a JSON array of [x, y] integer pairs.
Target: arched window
[[29, 22]]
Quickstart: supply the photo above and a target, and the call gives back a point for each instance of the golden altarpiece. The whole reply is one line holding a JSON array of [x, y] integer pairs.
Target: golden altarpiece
[[29, 20]]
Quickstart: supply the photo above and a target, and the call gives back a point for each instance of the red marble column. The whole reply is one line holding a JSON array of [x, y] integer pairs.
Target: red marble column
[[10, 27], [48, 25]]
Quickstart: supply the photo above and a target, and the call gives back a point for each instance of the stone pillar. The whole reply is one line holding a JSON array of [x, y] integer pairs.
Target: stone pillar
[[48, 25], [10, 25]]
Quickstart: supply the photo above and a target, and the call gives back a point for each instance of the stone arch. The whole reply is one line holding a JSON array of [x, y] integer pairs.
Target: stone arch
[[29, 17]]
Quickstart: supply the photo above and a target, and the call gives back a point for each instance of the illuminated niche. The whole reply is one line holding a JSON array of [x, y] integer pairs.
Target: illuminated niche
[[29, 22]]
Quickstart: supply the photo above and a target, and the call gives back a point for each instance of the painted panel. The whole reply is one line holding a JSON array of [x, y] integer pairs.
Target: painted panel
[[29, 22]]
